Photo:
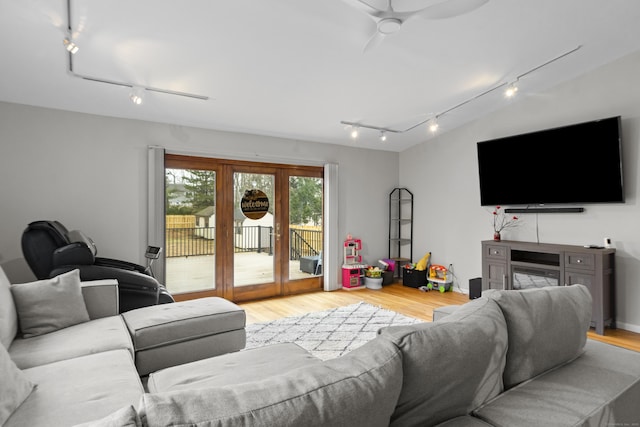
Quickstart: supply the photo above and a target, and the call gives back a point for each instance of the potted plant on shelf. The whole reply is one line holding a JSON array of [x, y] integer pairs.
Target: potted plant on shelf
[[501, 221], [373, 277]]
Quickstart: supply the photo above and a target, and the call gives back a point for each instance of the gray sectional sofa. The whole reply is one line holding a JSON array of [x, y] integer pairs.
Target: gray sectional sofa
[[510, 358], [68, 357]]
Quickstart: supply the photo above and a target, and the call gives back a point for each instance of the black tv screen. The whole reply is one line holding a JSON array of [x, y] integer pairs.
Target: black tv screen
[[580, 163]]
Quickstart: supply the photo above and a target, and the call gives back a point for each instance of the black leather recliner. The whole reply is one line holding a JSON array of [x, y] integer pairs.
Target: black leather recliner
[[50, 249]]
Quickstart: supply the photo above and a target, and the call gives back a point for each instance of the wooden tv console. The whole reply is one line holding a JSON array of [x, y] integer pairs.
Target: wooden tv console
[[562, 264]]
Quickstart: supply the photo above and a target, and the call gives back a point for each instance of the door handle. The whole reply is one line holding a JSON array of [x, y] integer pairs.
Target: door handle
[[277, 233]]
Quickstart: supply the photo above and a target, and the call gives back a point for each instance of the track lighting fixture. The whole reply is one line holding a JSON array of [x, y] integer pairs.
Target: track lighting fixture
[[432, 121], [354, 130], [71, 47], [135, 96]]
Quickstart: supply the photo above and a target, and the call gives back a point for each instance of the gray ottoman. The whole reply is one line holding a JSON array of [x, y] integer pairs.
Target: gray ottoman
[[172, 334], [441, 312], [244, 366]]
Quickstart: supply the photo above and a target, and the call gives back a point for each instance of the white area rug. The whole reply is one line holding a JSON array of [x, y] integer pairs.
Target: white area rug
[[330, 333]]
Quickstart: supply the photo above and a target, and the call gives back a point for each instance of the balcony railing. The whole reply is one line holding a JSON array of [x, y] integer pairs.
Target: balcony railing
[[184, 242]]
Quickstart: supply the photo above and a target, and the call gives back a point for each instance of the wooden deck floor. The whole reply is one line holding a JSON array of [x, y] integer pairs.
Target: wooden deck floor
[[402, 299]]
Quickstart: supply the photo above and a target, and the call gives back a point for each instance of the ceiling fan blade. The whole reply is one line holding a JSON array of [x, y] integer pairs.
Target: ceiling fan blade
[[365, 7], [451, 8], [374, 41]]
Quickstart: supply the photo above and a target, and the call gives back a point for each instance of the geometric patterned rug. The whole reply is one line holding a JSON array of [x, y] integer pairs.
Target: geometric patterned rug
[[330, 333]]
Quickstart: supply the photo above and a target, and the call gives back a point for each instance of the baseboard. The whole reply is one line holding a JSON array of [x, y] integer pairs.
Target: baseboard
[[628, 327]]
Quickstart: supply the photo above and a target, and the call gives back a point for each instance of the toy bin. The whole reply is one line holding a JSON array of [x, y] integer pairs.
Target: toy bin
[[387, 277], [414, 278]]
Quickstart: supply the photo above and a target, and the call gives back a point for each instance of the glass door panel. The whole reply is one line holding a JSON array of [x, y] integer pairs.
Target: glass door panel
[[255, 229], [305, 227], [190, 234]]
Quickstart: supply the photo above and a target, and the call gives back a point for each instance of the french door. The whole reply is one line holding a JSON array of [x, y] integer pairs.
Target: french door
[[242, 230]]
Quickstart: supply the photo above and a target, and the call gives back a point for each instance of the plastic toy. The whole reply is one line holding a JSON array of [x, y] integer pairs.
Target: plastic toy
[[437, 278], [437, 271], [424, 262]]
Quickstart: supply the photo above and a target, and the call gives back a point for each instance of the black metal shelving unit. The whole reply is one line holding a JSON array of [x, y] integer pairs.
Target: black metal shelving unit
[[400, 227]]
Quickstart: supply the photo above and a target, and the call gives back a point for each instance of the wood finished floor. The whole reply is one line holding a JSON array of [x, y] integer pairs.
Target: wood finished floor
[[401, 299]]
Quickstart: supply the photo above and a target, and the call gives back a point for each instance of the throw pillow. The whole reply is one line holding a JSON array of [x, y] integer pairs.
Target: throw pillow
[[51, 304], [8, 314], [449, 367], [547, 327], [15, 387], [125, 417]]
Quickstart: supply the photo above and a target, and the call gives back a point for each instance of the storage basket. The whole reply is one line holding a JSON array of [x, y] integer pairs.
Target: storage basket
[[414, 278]]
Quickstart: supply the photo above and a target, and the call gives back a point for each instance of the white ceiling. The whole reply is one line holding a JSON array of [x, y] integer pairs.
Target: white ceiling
[[296, 68]]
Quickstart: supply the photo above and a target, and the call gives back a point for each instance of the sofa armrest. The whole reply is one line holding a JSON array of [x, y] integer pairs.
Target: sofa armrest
[[101, 298]]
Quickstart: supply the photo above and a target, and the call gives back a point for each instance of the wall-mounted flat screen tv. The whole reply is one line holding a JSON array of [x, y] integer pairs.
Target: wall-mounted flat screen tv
[[580, 163]]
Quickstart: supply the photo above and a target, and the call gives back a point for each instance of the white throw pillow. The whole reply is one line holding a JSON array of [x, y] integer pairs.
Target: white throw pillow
[[48, 305], [15, 387]]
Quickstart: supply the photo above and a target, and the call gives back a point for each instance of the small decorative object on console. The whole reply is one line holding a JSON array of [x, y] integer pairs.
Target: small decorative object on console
[[502, 221]]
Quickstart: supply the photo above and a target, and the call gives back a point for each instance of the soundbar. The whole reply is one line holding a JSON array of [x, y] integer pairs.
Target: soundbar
[[543, 210]]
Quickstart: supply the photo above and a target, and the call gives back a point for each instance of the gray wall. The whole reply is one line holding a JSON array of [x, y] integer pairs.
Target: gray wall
[[443, 173], [90, 173]]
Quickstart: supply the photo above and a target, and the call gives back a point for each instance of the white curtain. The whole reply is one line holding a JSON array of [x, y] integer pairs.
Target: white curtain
[[155, 207], [332, 257]]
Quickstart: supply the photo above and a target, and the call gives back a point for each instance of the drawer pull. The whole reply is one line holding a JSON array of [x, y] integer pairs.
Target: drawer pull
[[578, 261]]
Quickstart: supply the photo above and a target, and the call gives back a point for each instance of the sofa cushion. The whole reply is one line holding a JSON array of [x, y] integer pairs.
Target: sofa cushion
[[464, 421], [244, 366], [599, 388], [15, 387], [547, 327], [8, 314], [95, 336], [452, 366], [79, 390], [124, 417], [358, 389], [49, 305]]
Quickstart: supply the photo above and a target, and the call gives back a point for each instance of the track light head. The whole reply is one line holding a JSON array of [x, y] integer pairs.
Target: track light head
[[71, 47], [433, 125], [354, 132], [383, 136], [511, 90], [136, 96]]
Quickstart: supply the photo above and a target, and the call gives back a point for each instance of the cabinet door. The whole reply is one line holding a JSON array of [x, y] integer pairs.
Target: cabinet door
[[497, 275], [579, 278], [588, 280]]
